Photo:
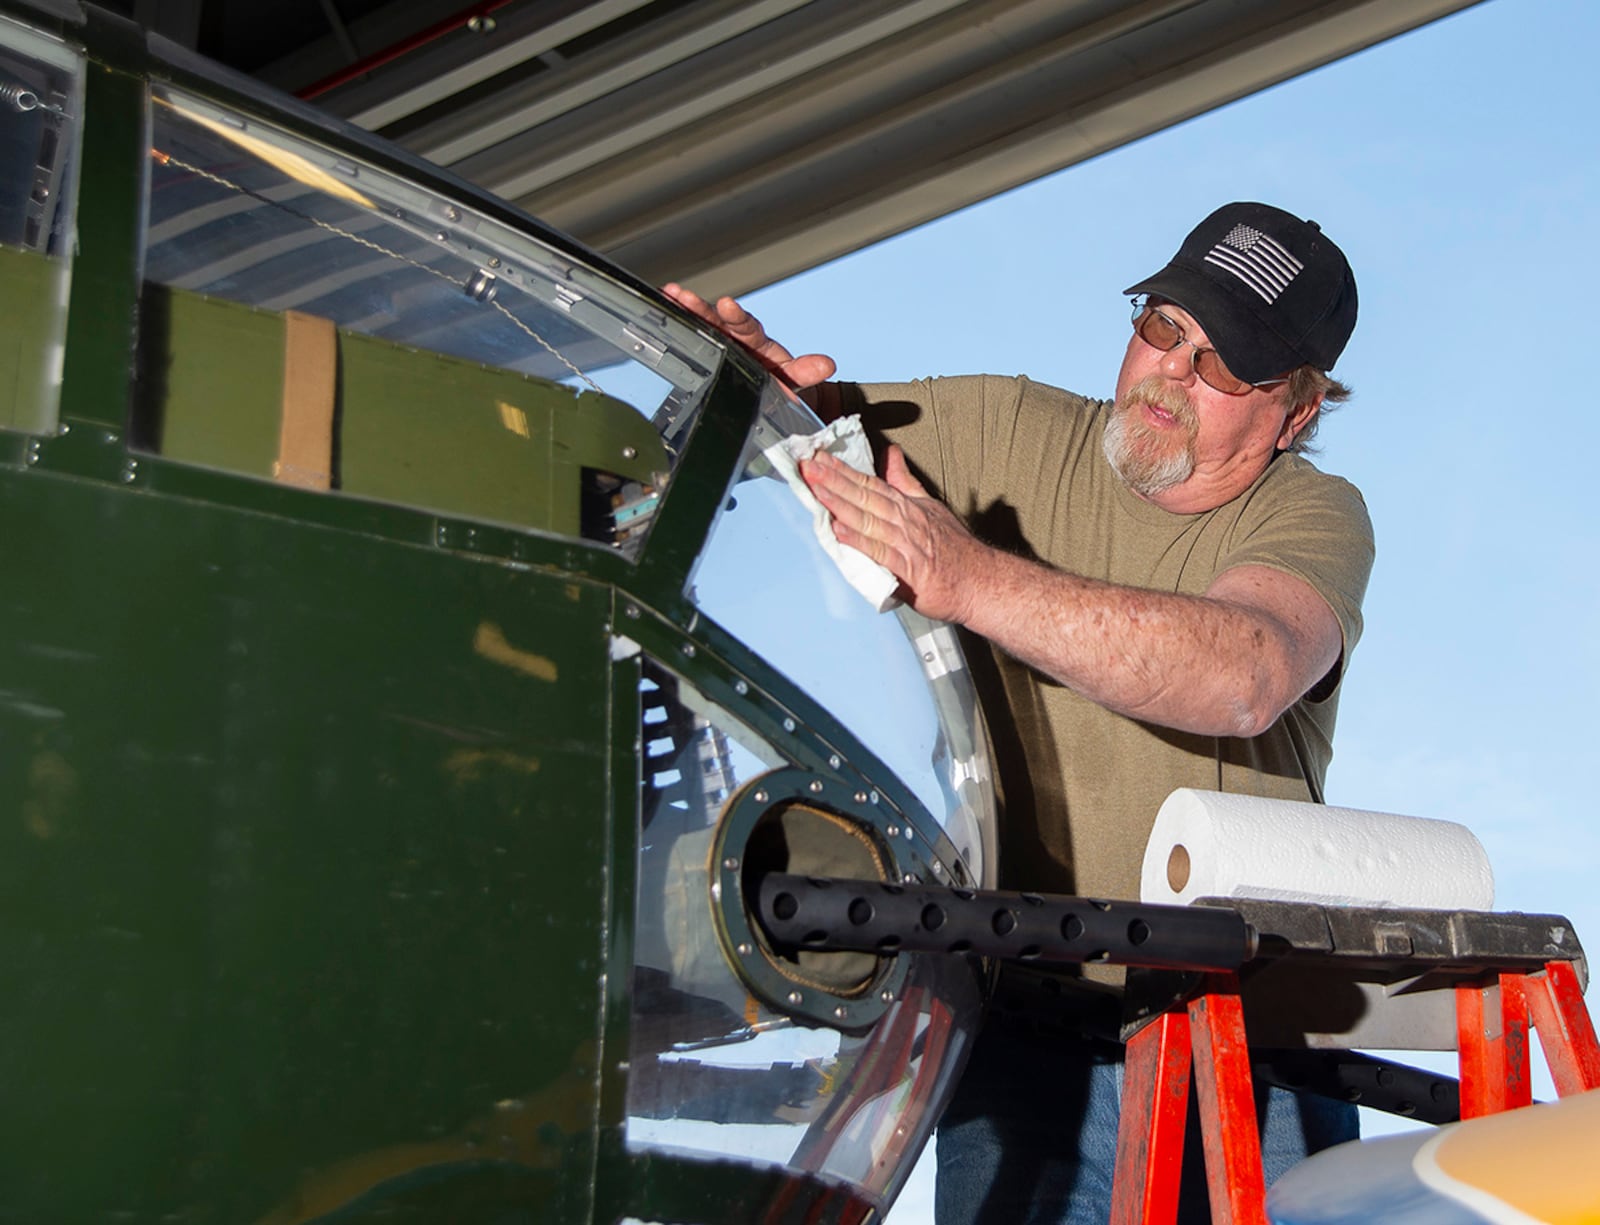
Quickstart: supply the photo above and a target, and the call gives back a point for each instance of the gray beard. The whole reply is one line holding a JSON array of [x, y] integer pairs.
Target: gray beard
[[1144, 468]]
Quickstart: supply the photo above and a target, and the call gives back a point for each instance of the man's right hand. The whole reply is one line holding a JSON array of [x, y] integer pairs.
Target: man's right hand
[[729, 317], [941, 565]]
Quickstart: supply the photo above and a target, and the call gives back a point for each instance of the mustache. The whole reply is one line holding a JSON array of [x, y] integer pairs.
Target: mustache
[[1164, 394]]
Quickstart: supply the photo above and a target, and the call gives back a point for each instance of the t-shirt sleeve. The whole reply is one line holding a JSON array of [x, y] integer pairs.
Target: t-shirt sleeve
[[902, 413], [1316, 527]]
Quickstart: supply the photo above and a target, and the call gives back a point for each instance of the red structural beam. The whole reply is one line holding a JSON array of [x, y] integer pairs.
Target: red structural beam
[[405, 46]]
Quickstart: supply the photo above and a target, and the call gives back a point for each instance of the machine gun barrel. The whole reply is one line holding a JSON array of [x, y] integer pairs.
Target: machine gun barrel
[[819, 913]]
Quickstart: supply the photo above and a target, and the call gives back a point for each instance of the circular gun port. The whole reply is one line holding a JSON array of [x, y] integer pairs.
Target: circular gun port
[[809, 841]]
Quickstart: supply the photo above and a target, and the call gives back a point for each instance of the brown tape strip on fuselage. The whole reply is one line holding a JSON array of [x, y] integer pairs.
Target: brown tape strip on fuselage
[[310, 384]]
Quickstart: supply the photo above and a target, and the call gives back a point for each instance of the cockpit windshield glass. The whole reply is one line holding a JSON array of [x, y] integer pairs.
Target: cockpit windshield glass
[[311, 318], [895, 679], [714, 1072], [40, 89]]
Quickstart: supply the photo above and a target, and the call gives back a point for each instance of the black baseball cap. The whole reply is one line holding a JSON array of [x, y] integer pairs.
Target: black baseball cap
[[1272, 292]]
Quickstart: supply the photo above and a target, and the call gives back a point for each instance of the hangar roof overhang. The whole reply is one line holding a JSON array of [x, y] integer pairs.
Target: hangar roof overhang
[[730, 143]]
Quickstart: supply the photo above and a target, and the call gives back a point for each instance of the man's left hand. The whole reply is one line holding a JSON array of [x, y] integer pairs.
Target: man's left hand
[[729, 317]]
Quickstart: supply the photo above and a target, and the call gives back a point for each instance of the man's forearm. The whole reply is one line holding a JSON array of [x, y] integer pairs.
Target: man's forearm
[[1195, 663], [1227, 663]]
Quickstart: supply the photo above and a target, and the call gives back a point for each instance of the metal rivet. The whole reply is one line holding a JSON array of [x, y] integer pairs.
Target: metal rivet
[[788, 725], [893, 831], [760, 797], [731, 863], [910, 878], [833, 761], [815, 786], [630, 453], [482, 23], [631, 612], [794, 997], [910, 834], [872, 797], [130, 471], [938, 868], [745, 950], [62, 428], [688, 650], [441, 236], [32, 456], [494, 261], [452, 212], [861, 797], [841, 1012], [886, 996], [741, 688], [108, 437]]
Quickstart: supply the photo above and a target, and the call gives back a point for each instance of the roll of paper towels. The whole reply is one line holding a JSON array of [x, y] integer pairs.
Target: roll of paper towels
[[1210, 844]]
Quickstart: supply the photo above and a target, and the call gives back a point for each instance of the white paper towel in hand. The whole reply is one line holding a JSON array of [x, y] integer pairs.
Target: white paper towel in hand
[[844, 439], [1210, 844]]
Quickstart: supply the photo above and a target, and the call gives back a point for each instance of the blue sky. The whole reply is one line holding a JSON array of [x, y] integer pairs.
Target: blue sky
[[1459, 169]]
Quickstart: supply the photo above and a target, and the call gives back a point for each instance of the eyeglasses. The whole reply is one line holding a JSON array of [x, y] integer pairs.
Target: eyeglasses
[[1160, 332]]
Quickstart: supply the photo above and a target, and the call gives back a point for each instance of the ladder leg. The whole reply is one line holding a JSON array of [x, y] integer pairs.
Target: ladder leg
[[1155, 1098], [1227, 1105], [1514, 1024], [1492, 1038], [1565, 1031]]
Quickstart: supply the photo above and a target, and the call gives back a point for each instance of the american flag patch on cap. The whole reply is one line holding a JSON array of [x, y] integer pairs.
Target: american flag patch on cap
[[1257, 259]]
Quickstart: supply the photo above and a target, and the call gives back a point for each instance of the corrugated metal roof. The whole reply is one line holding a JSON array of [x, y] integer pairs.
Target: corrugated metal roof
[[729, 143]]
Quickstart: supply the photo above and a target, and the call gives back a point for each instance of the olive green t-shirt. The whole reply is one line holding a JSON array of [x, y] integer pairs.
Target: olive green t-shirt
[[1022, 464]]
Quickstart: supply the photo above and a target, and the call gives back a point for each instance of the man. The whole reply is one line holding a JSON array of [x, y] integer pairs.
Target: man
[[1171, 593]]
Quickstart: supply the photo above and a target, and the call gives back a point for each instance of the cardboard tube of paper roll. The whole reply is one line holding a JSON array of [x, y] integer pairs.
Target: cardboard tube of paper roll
[[1211, 844]]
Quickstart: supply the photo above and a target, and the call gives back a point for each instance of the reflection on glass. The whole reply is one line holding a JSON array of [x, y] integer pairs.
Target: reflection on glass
[[475, 369], [897, 681], [712, 1071], [39, 108]]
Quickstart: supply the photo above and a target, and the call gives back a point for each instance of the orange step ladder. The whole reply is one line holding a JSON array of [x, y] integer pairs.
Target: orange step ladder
[[1502, 972]]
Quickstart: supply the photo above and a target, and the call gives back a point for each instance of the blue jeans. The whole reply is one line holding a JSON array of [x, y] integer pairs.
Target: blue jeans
[[1031, 1135]]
